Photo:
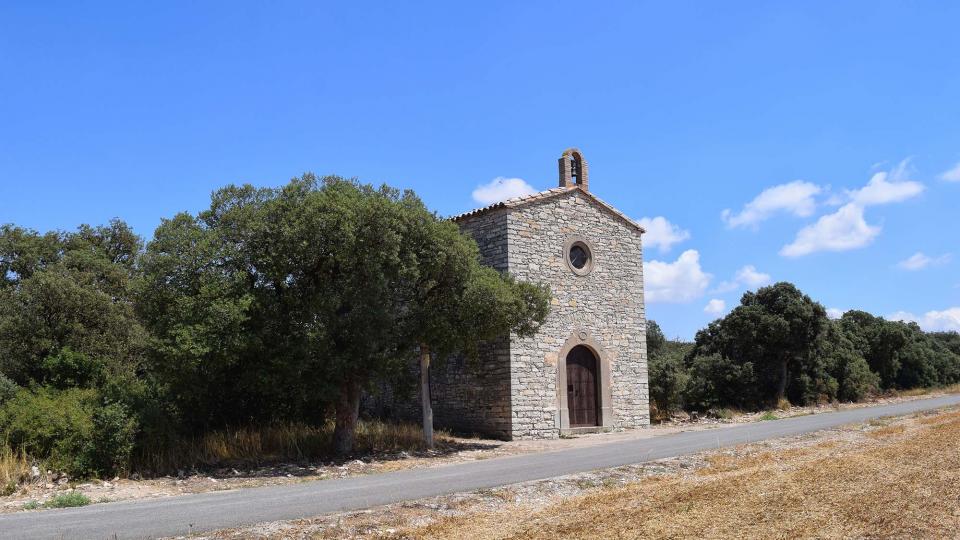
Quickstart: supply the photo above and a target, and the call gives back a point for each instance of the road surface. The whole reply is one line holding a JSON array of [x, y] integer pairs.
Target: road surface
[[187, 514]]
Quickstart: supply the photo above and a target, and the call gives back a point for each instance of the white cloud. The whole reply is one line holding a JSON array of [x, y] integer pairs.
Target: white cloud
[[904, 316], [919, 261], [796, 198], [680, 281], [661, 233], [835, 199], [501, 189], [715, 307], [834, 313], [725, 287], [881, 191], [932, 321], [749, 276], [846, 228], [952, 175], [842, 230]]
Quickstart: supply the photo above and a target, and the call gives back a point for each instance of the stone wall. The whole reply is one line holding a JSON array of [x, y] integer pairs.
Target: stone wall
[[606, 305]]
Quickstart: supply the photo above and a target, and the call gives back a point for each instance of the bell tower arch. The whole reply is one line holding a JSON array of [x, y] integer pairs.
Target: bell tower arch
[[573, 169]]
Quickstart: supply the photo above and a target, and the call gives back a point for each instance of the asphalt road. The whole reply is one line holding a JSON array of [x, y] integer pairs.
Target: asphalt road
[[203, 512]]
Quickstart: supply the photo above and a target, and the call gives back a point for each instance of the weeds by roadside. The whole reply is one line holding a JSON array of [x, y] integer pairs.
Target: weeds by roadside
[[14, 469], [69, 499], [279, 443]]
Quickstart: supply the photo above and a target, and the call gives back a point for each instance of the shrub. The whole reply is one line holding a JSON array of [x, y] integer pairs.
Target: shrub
[[717, 382], [856, 380], [70, 369], [112, 439], [668, 380], [8, 389], [51, 424], [918, 366], [68, 500], [71, 429]]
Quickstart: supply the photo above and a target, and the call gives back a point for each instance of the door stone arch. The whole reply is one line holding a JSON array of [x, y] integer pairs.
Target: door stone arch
[[603, 359]]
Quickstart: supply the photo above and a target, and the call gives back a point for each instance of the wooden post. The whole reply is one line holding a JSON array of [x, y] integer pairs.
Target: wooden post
[[425, 396]]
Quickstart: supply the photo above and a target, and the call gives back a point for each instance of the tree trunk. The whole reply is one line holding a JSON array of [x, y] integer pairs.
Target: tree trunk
[[782, 386], [347, 412], [425, 395]]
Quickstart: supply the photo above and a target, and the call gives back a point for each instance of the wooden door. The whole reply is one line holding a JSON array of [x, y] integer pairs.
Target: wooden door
[[582, 387]]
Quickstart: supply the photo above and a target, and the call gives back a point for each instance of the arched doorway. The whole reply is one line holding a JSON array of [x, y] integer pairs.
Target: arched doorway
[[583, 387]]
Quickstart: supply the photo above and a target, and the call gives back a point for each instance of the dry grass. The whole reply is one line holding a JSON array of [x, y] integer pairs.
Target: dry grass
[[901, 481], [886, 431], [280, 443], [952, 389], [14, 468]]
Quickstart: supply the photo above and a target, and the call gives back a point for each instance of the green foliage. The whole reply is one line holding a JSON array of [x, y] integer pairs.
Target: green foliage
[[774, 332], [8, 389], [668, 376], [668, 380], [950, 340], [857, 382], [901, 353], [53, 425], [878, 341], [69, 499], [112, 439], [69, 428], [716, 381], [283, 303], [23, 252], [67, 291], [778, 342], [656, 341], [69, 369]]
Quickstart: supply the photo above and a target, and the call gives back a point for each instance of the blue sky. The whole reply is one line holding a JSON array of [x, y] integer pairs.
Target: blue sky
[[779, 113]]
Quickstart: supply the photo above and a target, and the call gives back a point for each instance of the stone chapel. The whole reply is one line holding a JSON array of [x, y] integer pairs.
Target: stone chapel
[[586, 368]]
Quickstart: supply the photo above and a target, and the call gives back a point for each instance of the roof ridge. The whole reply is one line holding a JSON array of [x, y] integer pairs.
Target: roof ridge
[[525, 199]]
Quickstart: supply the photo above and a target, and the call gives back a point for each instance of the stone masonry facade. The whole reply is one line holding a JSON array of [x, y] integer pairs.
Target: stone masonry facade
[[606, 305], [518, 388]]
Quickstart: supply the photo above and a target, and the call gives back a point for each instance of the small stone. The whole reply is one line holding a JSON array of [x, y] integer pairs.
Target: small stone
[[34, 472]]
